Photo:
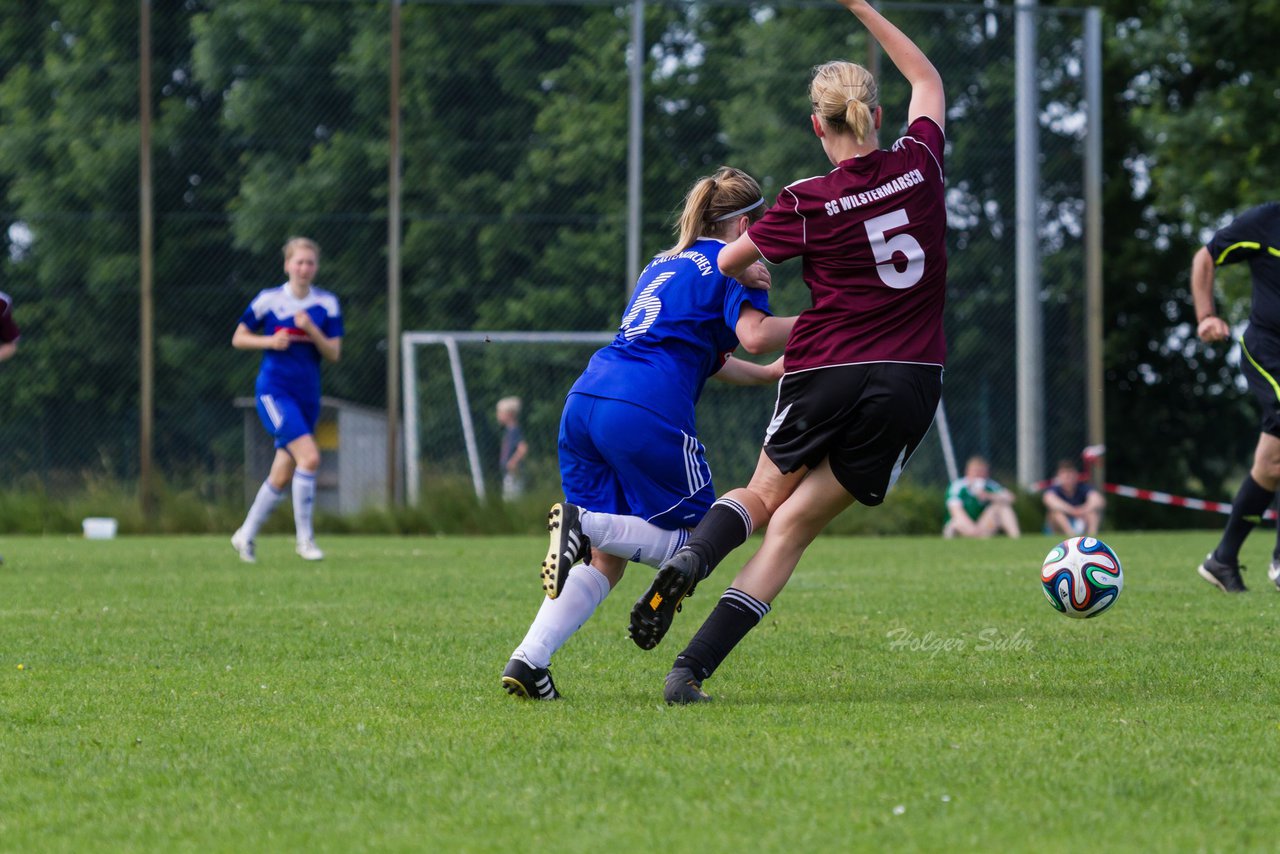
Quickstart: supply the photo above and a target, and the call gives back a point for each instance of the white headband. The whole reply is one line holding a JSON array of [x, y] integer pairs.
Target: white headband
[[740, 211]]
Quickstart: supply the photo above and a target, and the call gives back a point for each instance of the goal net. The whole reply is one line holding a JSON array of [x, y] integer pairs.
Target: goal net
[[454, 380]]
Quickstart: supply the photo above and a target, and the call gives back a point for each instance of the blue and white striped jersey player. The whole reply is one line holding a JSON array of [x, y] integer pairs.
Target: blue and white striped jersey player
[[632, 468], [295, 325]]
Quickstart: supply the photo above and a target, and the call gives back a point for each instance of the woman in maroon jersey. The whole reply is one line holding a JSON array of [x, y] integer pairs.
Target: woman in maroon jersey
[[863, 364]]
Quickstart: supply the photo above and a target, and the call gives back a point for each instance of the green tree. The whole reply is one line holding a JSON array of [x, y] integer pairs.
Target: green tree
[[1190, 88], [68, 168]]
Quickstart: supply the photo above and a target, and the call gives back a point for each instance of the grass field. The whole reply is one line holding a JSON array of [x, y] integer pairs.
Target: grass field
[[905, 694]]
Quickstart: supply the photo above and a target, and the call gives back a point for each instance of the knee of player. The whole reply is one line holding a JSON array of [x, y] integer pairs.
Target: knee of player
[[308, 461]]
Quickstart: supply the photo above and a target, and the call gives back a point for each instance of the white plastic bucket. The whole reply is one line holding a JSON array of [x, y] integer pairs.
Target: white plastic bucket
[[99, 528]]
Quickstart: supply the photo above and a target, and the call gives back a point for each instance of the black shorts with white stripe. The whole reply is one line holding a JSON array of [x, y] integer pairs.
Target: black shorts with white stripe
[[867, 418]]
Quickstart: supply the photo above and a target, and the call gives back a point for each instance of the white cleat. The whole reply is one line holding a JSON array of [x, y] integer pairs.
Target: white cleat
[[243, 547], [1273, 572], [308, 550]]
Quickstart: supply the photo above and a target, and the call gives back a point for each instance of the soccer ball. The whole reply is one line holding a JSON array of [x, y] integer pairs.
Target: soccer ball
[[1081, 577]]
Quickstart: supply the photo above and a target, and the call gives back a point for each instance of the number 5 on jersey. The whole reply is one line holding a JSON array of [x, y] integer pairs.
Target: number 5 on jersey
[[885, 250]]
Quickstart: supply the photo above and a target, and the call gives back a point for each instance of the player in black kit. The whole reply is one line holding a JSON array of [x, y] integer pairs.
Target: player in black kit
[[1254, 236]]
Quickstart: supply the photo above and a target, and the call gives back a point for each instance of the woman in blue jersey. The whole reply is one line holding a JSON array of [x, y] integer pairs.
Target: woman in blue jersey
[[295, 325], [633, 471]]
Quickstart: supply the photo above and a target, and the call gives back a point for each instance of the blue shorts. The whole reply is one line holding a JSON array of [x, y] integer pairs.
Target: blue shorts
[[616, 457], [286, 418]]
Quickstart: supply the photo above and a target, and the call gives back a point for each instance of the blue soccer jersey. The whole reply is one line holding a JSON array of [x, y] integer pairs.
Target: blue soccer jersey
[[678, 329], [295, 371]]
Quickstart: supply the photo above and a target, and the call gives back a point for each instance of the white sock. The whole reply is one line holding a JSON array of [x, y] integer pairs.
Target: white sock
[[263, 504], [631, 538], [560, 617], [304, 498]]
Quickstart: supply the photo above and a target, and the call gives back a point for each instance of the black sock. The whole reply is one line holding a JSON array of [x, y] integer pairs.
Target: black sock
[[728, 623], [1246, 511], [725, 527]]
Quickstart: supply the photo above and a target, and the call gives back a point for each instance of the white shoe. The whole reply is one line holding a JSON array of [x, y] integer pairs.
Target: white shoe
[[1273, 572], [243, 546], [308, 550]]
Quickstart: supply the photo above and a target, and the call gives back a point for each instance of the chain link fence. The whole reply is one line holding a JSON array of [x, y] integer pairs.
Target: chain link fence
[[272, 119]]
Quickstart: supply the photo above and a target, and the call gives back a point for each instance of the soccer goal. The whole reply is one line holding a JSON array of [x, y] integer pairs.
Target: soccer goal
[[452, 382]]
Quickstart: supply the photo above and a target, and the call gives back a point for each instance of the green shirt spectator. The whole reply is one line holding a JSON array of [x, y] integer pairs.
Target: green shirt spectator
[[977, 506]]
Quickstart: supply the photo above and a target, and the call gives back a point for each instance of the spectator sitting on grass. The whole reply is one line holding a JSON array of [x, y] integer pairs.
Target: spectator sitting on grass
[[1073, 506], [977, 506]]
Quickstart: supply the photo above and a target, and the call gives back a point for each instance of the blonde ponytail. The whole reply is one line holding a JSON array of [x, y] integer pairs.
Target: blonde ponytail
[[712, 201], [857, 117], [845, 96], [696, 203]]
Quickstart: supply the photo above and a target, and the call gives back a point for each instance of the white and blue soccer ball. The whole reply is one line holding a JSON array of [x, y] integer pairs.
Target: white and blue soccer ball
[[1081, 577]]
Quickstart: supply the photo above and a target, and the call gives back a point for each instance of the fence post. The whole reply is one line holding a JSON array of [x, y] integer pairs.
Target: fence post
[[635, 145], [393, 264], [1094, 397], [146, 308], [1030, 359]]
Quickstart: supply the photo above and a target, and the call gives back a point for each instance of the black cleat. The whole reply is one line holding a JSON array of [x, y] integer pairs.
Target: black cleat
[[529, 683], [653, 612], [568, 546], [683, 688], [1224, 576]]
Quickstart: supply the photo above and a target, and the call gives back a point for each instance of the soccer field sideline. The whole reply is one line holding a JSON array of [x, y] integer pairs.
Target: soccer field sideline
[[913, 694]]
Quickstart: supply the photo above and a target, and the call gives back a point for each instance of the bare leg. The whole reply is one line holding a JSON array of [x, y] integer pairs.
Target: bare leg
[[818, 499], [281, 470], [1059, 523], [1008, 521], [1092, 520], [610, 566]]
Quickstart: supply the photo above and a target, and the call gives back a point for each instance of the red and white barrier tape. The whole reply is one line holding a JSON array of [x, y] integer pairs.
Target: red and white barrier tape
[[1174, 500], [1157, 497]]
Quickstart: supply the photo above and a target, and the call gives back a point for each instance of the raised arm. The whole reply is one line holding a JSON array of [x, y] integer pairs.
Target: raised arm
[[927, 96]]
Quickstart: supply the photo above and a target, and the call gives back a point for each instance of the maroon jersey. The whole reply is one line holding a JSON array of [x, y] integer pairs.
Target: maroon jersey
[[8, 329], [872, 232]]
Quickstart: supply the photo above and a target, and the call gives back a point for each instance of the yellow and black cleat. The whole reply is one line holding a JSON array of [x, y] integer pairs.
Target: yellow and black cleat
[[652, 614], [527, 682]]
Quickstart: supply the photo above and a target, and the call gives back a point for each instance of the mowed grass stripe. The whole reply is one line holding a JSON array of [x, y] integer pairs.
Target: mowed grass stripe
[[905, 694]]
